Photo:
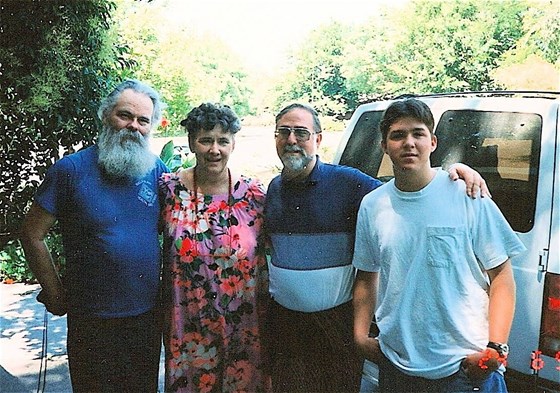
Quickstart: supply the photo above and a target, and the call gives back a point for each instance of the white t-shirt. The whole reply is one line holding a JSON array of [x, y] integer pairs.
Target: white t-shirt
[[432, 248]]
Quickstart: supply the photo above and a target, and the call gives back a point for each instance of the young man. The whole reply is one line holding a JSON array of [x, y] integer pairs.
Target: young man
[[434, 265], [106, 201], [310, 217]]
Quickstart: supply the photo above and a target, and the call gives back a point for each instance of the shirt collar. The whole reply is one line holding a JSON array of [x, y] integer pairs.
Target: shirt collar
[[311, 180]]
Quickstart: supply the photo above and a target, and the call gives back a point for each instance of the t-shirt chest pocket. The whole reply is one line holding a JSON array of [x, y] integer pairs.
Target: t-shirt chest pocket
[[444, 243]]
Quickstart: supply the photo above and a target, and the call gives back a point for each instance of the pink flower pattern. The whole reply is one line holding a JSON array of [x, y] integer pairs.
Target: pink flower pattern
[[210, 285]]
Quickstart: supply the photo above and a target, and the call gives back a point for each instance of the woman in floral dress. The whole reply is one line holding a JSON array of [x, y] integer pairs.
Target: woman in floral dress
[[214, 267]]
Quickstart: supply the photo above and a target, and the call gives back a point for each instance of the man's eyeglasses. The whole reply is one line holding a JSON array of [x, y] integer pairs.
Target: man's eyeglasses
[[302, 134]]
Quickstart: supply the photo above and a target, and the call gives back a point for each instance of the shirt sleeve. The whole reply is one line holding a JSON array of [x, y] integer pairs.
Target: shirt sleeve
[[53, 193], [365, 254], [494, 239]]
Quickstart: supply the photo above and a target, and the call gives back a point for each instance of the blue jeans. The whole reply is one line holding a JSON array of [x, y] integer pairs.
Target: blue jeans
[[393, 380]]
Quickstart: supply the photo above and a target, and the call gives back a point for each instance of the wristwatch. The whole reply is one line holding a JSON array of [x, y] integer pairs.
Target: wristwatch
[[502, 349]]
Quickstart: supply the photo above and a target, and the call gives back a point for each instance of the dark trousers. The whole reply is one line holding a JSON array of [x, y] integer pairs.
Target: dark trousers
[[313, 352], [114, 355]]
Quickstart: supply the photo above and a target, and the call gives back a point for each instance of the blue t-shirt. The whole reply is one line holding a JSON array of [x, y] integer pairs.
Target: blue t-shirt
[[311, 226], [110, 235]]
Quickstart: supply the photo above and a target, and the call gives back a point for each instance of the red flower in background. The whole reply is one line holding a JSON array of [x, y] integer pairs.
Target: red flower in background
[[164, 122]]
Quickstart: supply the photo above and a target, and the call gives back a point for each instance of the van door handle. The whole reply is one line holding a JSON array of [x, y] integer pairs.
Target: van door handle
[[543, 260]]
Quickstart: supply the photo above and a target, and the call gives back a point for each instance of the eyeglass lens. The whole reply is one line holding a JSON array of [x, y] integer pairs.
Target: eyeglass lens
[[302, 134]]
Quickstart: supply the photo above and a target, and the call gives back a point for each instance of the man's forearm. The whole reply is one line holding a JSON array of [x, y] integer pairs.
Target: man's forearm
[[364, 304], [41, 265], [502, 305]]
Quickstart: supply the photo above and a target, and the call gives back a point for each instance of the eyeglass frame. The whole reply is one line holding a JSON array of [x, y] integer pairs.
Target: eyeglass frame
[[293, 130]]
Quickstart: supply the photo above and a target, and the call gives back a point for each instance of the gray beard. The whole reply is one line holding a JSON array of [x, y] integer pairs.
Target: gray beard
[[124, 154], [295, 163]]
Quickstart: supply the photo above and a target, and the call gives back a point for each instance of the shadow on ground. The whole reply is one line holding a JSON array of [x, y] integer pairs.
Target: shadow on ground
[[22, 325], [23, 322]]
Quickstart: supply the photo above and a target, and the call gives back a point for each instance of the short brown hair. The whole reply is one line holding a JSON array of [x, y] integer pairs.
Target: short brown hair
[[410, 107]]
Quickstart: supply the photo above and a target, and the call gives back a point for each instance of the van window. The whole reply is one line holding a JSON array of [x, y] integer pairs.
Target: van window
[[505, 148], [363, 150]]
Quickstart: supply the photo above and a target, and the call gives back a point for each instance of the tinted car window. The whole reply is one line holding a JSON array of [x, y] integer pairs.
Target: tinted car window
[[505, 148], [363, 150]]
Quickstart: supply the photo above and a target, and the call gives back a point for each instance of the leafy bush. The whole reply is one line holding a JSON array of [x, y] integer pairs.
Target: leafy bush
[[13, 265], [176, 157]]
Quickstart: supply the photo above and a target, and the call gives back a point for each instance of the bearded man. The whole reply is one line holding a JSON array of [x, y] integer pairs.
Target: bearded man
[[310, 218], [106, 201]]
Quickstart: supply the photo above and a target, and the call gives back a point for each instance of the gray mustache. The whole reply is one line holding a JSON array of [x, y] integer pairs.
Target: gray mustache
[[293, 149]]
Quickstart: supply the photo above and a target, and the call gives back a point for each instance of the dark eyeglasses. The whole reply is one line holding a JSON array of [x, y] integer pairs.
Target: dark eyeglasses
[[302, 134]]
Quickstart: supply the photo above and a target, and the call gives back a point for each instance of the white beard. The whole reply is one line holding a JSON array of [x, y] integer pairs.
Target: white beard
[[295, 163], [124, 154]]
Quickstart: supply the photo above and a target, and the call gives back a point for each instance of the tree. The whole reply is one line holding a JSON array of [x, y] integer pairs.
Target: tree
[[186, 67], [368, 60], [316, 74], [534, 62], [58, 59], [452, 45]]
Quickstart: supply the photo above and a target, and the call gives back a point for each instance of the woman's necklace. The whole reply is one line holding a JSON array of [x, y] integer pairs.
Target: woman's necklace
[[229, 198], [197, 219]]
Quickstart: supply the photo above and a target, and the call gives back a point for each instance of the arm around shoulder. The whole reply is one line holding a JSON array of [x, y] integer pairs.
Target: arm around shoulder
[[472, 179], [35, 228]]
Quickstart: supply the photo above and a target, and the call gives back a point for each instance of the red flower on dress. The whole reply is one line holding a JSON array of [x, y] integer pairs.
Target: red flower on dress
[[232, 285], [196, 300], [187, 247], [216, 326], [206, 383]]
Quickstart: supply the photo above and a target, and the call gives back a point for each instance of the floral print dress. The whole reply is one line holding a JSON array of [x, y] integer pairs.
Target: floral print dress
[[212, 267]]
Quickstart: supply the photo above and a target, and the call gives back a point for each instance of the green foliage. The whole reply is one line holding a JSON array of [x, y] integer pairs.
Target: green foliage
[[14, 266], [452, 45], [317, 76], [427, 46], [58, 60], [176, 157], [534, 62], [186, 67], [541, 33]]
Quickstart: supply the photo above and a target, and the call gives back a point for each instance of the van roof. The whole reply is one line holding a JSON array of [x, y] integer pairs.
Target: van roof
[[553, 95]]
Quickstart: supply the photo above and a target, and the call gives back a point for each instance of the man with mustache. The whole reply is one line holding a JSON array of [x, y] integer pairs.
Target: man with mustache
[[105, 199], [310, 218]]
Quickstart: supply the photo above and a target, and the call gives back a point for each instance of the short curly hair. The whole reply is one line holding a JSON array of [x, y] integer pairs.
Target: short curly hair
[[209, 115]]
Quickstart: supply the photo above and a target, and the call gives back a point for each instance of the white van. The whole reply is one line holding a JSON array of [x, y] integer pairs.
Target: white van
[[513, 140]]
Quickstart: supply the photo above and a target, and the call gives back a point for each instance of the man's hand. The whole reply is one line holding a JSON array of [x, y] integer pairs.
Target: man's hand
[[480, 365], [472, 179], [55, 303], [370, 348]]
